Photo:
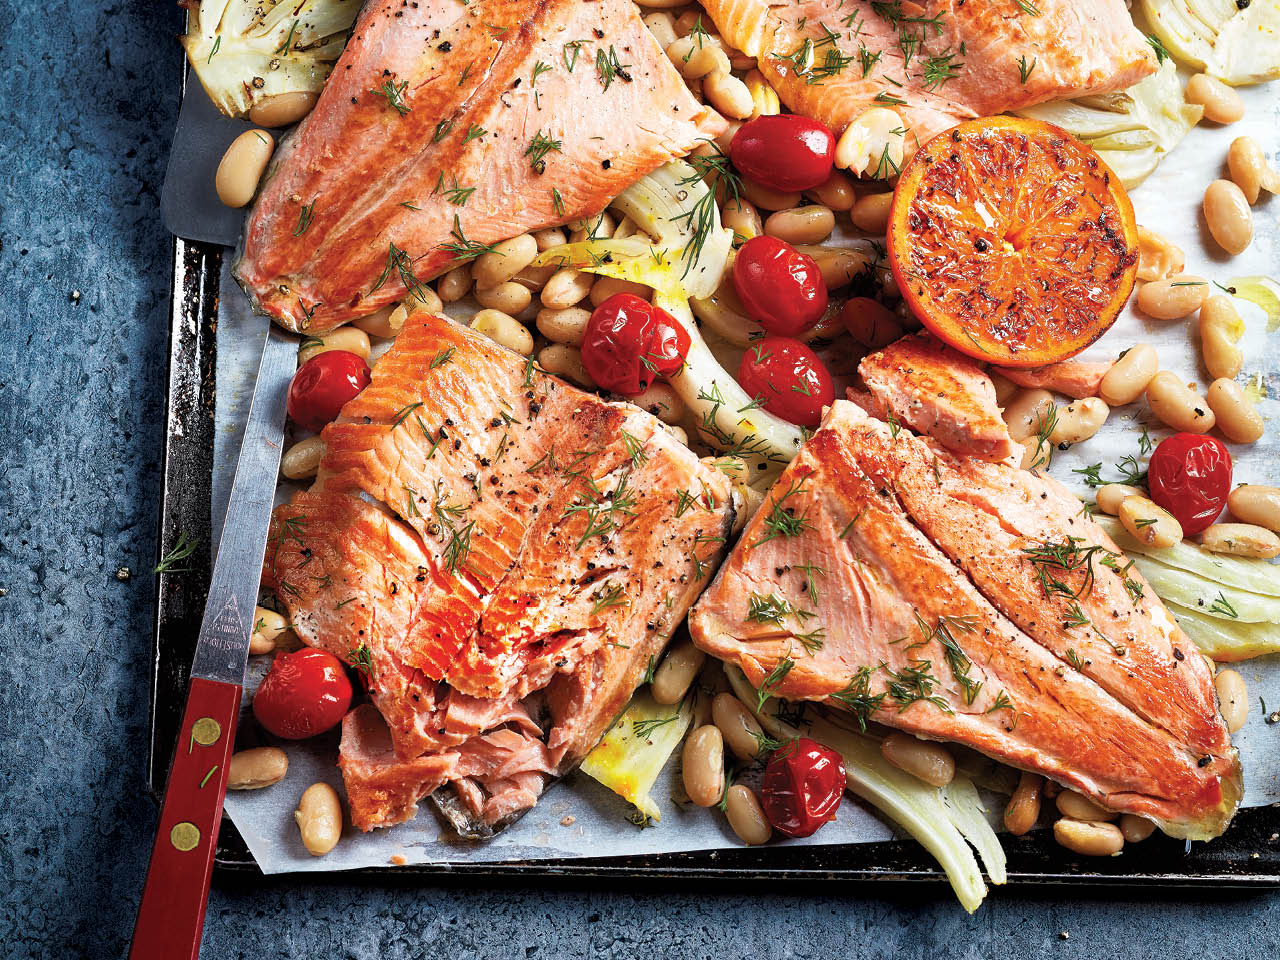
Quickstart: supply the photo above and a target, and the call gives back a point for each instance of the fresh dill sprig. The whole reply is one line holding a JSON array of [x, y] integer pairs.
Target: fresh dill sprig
[[393, 93], [183, 549], [769, 687], [538, 148], [643, 728], [305, 216]]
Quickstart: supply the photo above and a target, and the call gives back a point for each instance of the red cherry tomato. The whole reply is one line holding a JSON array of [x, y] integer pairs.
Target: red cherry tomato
[[802, 788], [323, 385], [785, 151], [303, 694], [788, 378], [1190, 476], [629, 341], [781, 288]]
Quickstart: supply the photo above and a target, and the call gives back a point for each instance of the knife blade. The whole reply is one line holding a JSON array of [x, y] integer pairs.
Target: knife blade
[[171, 912]]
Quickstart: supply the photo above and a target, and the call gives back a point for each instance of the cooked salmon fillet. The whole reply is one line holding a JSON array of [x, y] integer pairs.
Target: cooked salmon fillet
[[921, 382], [480, 531], [1075, 378], [448, 126], [935, 63], [972, 602]]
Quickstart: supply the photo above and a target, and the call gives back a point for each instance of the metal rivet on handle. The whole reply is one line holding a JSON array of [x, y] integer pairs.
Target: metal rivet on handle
[[185, 835], [206, 731]]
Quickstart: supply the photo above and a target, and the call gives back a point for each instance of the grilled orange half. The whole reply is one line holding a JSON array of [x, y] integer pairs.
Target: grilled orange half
[[1012, 241]]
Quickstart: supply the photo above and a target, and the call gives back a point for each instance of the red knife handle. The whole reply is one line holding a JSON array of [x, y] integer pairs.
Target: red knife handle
[[171, 914]]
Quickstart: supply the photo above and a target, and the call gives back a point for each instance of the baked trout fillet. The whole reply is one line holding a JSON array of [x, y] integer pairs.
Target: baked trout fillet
[[932, 63], [499, 553], [448, 126], [969, 601]]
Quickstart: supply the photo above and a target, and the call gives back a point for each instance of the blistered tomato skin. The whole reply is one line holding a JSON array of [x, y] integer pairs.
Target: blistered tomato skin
[[304, 694], [802, 788], [629, 341], [1190, 476], [323, 385], [784, 151], [788, 379], [781, 288]]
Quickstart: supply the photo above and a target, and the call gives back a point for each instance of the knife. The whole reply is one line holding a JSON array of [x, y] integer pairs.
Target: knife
[[171, 913]]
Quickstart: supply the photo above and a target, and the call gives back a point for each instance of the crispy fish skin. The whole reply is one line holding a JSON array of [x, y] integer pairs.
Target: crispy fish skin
[[447, 126], [963, 60], [480, 534], [922, 591]]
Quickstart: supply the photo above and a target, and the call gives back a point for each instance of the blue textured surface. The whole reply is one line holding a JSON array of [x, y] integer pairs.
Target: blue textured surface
[[89, 99]]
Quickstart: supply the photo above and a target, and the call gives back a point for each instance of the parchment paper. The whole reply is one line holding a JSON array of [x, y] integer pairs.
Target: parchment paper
[[578, 817]]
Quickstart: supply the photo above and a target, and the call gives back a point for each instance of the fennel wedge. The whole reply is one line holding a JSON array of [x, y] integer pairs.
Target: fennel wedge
[[942, 819], [1131, 129], [633, 752]]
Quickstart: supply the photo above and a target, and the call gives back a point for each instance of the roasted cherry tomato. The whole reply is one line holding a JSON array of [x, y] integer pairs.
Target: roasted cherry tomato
[[785, 151], [1190, 476], [788, 378], [323, 384], [629, 341], [802, 788], [780, 287], [303, 694]]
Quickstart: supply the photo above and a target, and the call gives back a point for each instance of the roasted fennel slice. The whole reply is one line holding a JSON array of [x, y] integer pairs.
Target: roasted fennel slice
[[632, 754], [1131, 129], [1235, 40]]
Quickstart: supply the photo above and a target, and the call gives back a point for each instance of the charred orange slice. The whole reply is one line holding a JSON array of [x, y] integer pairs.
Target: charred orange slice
[[1012, 241]]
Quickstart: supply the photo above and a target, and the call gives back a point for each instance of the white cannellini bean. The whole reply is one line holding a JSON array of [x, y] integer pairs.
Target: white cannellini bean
[[1174, 298], [1235, 413], [242, 166], [1129, 375], [836, 192], [929, 762], [742, 734], [319, 818], [282, 109], [1148, 523], [1079, 807], [661, 400], [1241, 540], [1228, 217], [549, 237], [697, 56], [504, 329], [764, 99], [504, 261], [872, 143], [256, 768], [742, 218], [606, 287], [1233, 698], [811, 224], [1111, 495], [1256, 503], [386, 323], [562, 360], [455, 284], [675, 674], [1135, 829], [1088, 838], [767, 198], [268, 626], [302, 460], [351, 339], [568, 286], [424, 299], [746, 816], [728, 94], [663, 27], [1220, 327], [1249, 170], [702, 765], [1221, 103], [1078, 421], [838, 265], [509, 297], [564, 326], [1026, 412], [871, 212], [1177, 405]]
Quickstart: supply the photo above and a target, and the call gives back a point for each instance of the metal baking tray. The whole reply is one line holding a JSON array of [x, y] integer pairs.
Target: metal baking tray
[[1247, 856]]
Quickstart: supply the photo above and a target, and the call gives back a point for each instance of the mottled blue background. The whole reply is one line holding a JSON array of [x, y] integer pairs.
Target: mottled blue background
[[88, 101]]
